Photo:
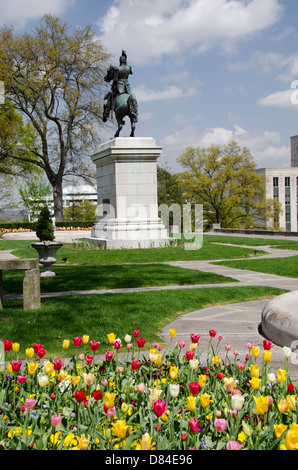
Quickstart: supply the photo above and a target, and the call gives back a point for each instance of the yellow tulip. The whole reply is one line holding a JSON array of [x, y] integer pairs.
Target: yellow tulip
[[255, 383], [279, 429], [172, 332], [85, 339], [120, 428], [193, 347], [83, 442], [291, 399], [283, 405], [267, 355], [262, 404], [255, 351], [281, 375], [65, 344], [229, 383], [205, 400], [291, 440], [29, 353], [254, 370], [15, 347], [157, 361], [202, 379], [191, 402], [49, 367], [109, 399], [9, 368], [111, 337], [164, 417], [216, 360], [89, 378], [75, 380], [32, 366], [146, 442], [173, 372]]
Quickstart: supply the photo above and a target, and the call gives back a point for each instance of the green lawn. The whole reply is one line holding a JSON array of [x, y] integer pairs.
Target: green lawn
[[125, 256], [97, 315], [83, 277], [287, 267]]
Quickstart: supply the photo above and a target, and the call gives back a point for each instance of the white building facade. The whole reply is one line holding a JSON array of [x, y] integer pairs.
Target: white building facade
[[282, 185]]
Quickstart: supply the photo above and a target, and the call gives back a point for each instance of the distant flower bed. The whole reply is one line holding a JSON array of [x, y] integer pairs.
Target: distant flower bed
[[169, 401], [14, 230]]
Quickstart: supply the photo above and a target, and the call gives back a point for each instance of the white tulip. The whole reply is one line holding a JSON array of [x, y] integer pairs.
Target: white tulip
[[287, 352], [271, 378], [174, 390], [237, 402]]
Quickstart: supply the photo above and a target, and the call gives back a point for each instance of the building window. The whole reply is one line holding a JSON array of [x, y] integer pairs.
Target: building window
[[275, 181], [287, 181], [287, 199], [288, 217]]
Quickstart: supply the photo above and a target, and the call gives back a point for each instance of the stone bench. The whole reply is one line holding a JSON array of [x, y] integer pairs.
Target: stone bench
[[31, 282]]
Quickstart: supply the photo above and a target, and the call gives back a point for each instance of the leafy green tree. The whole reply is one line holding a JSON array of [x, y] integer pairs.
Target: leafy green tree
[[34, 193], [84, 210], [55, 79], [224, 180]]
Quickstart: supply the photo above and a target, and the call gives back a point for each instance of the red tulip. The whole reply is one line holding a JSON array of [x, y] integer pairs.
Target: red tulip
[[141, 342], [89, 359], [212, 333], [194, 388], [136, 333], [7, 345], [97, 394], [267, 344], [159, 407], [77, 340], [79, 396], [37, 346], [194, 338], [135, 364], [21, 379], [58, 364], [109, 355], [94, 345], [189, 355], [16, 365], [41, 352]]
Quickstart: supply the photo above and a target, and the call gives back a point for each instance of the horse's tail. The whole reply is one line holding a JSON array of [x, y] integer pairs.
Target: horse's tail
[[133, 107]]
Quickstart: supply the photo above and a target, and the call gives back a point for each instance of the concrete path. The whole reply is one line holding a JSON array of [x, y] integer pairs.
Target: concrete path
[[238, 322]]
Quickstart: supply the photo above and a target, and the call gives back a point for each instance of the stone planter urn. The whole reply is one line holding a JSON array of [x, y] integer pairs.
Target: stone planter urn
[[47, 255], [46, 246]]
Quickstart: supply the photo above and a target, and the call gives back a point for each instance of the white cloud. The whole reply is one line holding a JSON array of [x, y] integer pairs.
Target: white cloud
[[19, 12], [280, 99], [182, 24], [144, 94]]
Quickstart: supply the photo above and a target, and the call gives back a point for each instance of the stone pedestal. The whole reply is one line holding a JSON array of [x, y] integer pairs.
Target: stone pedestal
[[127, 194]]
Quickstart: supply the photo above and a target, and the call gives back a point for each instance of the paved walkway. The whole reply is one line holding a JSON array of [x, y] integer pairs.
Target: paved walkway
[[237, 322]]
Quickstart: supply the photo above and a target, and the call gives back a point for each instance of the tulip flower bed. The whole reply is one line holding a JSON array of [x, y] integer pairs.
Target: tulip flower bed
[[163, 400]]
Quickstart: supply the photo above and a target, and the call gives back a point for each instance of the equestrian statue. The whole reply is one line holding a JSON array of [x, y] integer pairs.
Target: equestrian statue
[[120, 99]]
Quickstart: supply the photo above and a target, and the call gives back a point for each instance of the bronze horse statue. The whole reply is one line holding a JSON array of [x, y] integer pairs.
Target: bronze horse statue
[[120, 100]]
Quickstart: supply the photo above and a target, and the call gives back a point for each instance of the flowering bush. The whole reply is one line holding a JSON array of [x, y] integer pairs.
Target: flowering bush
[[169, 400]]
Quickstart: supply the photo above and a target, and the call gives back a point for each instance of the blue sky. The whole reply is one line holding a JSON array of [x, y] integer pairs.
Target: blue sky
[[204, 71]]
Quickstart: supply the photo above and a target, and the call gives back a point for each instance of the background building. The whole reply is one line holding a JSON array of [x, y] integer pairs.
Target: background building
[[282, 185]]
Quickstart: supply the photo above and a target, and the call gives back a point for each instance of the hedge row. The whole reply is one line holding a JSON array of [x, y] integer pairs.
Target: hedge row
[[32, 225]]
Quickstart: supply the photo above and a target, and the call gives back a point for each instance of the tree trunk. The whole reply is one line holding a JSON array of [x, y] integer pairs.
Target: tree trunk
[[58, 201]]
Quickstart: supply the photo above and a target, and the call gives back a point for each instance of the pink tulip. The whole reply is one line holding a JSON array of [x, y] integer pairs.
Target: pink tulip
[[16, 365], [30, 403], [194, 424], [234, 445], [240, 365], [56, 420], [181, 344], [220, 424]]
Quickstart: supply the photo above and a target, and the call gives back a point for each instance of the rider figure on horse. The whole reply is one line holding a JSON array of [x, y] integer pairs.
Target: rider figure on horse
[[120, 85]]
